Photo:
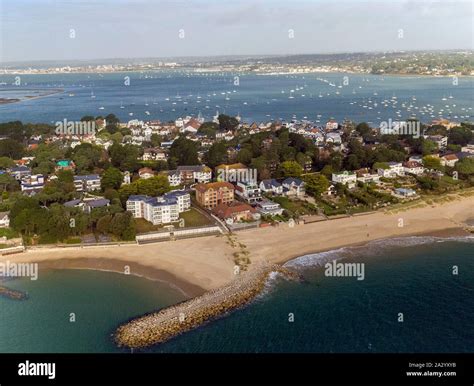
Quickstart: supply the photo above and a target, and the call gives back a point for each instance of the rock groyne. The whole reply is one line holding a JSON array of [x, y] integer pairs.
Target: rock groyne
[[161, 326], [12, 294]]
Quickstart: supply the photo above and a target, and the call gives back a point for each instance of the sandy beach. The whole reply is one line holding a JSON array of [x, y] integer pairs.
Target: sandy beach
[[205, 263]]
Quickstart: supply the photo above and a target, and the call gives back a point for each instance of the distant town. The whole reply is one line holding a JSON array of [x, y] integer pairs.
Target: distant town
[[434, 63]]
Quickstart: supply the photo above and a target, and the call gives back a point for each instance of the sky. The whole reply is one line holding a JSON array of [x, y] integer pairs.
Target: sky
[[32, 30]]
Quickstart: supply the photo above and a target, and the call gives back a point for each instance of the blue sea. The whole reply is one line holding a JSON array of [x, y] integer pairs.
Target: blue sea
[[412, 276], [168, 95]]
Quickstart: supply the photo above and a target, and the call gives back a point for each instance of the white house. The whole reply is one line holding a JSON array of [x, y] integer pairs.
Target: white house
[[440, 140], [368, 177], [248, 191], [87, 183], [34, 182], [145, 173], [271, 186], [293, 187], [449, 160], [331, 125], [334, 138], [20, 172], [174, 178], [345, 178], [394, 169], [154, 154], [413, 167], [267, 207], [4, 219], [195, 173]]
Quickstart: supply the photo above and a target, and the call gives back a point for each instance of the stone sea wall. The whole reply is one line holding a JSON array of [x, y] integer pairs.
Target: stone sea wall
[[161, 326]]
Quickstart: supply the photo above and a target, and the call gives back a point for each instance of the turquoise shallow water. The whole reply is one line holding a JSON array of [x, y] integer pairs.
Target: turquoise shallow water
[[331, 314], [99, 300]]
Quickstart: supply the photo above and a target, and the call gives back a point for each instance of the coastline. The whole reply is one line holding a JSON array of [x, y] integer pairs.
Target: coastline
[[195, 266], [30, 98], [188, 289]]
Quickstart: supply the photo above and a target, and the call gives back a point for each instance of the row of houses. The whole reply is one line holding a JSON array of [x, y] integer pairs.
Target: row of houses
[[183, 175], [220, 197], [34, 183]]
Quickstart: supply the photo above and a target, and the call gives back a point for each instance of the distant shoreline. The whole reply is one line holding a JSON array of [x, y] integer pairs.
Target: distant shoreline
[[341, 71], [5, 101]]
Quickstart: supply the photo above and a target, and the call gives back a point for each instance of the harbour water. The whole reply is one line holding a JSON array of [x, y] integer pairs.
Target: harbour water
[[411, 276], [168, 95]]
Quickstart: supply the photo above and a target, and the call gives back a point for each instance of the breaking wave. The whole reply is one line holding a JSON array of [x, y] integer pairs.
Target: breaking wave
[[370, 248]]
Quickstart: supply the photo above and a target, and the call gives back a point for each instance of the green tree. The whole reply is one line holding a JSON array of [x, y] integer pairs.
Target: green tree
[[111, 179], [209, 129], [316, 184], [184, 151], [122, 226], [327, 171], [465, 167], [363, 129], [11, 148], [460, 135], [6, 162], [8, 183], [428, 147], [380, 165], [216, 154], [156, 140], [227, 122], [244, 156], [103, 224], [291, 169], [430, 162], [125, 157], [154, 186], [126, 191]]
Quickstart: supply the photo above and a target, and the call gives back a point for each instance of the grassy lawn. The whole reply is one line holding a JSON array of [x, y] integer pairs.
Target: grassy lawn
[[296, 207], [8, 233], [73, 240], [194, 218], [143, 226]]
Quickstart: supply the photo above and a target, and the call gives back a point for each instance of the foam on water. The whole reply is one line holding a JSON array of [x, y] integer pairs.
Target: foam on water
[[371, 248]]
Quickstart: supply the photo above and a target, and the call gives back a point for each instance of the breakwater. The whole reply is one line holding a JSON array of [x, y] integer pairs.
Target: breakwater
[[161, 326], [12, 294]]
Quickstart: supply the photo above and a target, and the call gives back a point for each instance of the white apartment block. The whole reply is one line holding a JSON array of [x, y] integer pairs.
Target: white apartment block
[[159, 210], [345, 178], [87, 183], [395, 169]]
